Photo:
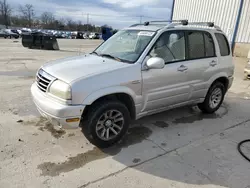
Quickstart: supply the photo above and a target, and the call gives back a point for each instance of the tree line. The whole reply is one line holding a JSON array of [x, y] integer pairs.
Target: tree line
[[27, 17]]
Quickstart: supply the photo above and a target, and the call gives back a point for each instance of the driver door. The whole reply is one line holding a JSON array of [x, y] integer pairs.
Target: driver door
[[167, 86]]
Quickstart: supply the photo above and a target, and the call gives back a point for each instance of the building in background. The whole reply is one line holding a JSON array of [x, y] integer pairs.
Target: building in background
[[233, 16]]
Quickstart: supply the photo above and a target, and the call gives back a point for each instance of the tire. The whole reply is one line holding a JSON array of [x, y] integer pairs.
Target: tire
[[96, 114], [206, 106]]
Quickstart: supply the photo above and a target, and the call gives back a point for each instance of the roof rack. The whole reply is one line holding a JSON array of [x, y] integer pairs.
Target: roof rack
[[204, 24], [160, 22], [173, 23]]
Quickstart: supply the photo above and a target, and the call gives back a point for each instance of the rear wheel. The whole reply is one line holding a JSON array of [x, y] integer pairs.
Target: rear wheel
[[106, 123], [214, 98]]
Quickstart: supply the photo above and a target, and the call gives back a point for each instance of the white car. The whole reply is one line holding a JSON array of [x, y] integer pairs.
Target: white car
[[94, 36], [141, 70]]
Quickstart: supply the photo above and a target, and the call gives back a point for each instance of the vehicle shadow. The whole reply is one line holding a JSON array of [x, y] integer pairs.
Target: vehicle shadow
[[177, 145], [154, 142]]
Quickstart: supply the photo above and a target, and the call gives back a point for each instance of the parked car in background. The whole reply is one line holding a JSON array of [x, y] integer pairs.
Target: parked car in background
[[14, 31], [7, 33], [26, 30], [94, 36], [80, 35], [2, 34], [73, 34], [60, 35], [19, 32], [85, 35]]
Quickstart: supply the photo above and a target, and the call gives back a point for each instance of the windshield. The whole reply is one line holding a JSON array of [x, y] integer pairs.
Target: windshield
[[126, 45]]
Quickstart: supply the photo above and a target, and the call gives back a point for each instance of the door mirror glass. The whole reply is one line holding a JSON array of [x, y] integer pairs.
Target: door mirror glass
[[155, 63]]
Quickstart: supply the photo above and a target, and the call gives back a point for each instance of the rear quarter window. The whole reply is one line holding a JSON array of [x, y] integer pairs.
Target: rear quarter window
[[223, 44], [209, 45]]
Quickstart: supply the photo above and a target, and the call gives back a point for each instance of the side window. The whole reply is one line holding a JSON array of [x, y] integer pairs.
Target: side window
[[196, 46], [209, 45], [170, 46], [223, 44]]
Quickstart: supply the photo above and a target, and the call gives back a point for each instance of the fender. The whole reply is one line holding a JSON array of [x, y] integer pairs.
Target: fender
[[215, 77], [107, 91]]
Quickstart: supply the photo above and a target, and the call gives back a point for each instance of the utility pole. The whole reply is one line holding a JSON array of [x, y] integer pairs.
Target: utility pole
[[88, 22], [141, 19]]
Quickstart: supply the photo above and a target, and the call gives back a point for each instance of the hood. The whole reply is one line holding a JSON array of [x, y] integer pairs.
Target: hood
[[73, 68]]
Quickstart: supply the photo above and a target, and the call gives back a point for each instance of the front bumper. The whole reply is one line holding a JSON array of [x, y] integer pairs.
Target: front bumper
[[56, 112], [247, 73]]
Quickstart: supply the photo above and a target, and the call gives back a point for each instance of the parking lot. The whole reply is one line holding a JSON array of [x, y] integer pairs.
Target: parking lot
[[177, 148]]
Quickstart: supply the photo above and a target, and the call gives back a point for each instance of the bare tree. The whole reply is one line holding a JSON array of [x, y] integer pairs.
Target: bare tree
[[47, 18], [71, 25], [27, 13], [5, 12]]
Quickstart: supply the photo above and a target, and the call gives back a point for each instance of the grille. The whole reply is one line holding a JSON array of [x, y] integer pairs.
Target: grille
[[43, 80]]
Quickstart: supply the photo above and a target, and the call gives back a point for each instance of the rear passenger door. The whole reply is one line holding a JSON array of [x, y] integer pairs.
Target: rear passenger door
[[201, 62]]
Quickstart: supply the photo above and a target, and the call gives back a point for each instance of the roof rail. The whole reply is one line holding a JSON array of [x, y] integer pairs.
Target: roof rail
[[134, 25], [161, 22], [173, 23], [205, 24], [167, 22]]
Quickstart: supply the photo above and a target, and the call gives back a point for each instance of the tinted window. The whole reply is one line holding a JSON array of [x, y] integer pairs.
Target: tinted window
[[223, 44], [209, 45], [196, 46], [170, 46]]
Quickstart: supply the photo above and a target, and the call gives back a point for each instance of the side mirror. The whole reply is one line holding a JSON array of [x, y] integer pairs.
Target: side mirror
[[155, 63]]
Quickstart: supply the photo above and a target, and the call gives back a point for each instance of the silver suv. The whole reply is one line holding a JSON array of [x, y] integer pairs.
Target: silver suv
[[141, 70]]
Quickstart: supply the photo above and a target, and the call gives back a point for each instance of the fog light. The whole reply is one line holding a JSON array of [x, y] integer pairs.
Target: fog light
[[72, 120]]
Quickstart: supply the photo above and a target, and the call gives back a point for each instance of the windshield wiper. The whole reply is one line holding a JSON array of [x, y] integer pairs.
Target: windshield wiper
[[110, 56]]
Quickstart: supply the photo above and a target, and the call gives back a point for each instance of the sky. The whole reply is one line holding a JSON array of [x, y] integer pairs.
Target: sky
[[117, 13]]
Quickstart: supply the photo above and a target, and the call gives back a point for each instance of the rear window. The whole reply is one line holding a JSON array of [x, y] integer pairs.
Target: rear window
[[223, 44]]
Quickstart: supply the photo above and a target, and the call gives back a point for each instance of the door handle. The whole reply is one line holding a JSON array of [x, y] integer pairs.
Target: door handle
[[182, 68], [213, 63]]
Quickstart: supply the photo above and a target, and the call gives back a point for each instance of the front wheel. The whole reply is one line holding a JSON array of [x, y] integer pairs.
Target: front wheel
[[106, 123], [214, 98]]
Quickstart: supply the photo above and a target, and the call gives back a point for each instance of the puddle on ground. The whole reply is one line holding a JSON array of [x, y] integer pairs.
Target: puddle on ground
[[136, 160], [161, 124], [57, 133], [26, 74], [44, 124], [71, 134], [135, 135], [199, 116], [55, 169], [163, 144]]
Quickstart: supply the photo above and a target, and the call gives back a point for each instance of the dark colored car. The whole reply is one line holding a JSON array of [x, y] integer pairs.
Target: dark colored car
[[80, 35]]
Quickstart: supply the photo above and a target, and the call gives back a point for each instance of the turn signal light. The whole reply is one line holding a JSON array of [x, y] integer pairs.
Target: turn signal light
[[72, 120]]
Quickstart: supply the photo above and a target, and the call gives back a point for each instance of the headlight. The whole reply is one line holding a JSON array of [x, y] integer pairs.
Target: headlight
[[60, 89]]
